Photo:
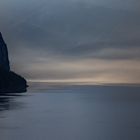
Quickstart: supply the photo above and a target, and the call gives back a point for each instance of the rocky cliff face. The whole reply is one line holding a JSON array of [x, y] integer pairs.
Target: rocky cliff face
[[10, 82], [4, 60]]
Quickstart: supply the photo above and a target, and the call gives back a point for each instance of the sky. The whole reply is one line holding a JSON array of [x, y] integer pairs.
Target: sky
[[95, 41]]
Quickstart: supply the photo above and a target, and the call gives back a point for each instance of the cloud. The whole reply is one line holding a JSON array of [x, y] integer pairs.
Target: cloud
[[87, 40]]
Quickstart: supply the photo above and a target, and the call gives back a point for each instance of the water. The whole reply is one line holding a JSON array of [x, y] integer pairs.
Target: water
[[72, 113]]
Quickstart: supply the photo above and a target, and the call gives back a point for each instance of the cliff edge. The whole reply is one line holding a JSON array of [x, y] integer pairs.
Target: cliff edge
[[10, 82]]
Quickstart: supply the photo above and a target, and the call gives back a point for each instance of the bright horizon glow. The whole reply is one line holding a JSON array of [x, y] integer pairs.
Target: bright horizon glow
[[80, 82]]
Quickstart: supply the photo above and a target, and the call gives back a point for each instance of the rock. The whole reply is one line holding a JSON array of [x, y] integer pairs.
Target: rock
[[10, 82], [4, 60]]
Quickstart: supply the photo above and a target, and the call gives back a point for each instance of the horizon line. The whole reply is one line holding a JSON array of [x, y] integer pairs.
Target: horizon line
[[69, 82]]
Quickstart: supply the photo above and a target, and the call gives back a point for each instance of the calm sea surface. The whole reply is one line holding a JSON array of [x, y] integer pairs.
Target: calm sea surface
[[72, 113]]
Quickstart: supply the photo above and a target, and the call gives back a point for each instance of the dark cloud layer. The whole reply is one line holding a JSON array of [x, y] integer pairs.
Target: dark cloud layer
[[41, 34]]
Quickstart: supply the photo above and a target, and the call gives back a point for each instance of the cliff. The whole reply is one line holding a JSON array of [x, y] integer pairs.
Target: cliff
[[4, 60], [10, 82]]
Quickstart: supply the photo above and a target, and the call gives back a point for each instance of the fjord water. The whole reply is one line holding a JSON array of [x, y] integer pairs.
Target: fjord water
[[72, 113]]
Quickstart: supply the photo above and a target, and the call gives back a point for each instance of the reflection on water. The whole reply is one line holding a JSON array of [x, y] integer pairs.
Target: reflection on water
[[4, 103], [8, 102], [72, 113]]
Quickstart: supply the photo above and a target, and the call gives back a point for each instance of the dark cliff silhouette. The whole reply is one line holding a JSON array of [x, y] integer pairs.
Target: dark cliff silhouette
[[4, 60], [10, 82]]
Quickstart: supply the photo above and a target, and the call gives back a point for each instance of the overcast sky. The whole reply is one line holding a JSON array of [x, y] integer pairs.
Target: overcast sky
[[73, 40]]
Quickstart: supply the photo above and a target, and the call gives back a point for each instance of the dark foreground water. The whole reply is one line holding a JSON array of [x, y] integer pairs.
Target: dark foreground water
[[72, 113]]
